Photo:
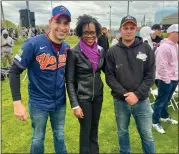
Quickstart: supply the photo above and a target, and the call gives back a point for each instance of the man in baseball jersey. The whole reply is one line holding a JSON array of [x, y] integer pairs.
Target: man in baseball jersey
[[44, 56]]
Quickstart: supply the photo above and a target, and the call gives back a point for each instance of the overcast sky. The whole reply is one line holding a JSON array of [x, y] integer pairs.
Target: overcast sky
[[98, 9]]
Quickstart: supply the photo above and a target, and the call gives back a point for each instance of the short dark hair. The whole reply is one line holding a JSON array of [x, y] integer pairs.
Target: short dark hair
[[87, 19], [156, 27]]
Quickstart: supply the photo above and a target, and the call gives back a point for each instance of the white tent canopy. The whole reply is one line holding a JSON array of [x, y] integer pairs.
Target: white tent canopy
[[171, 19]]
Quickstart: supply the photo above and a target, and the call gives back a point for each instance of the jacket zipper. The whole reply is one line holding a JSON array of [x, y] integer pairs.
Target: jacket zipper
[[93, 84]]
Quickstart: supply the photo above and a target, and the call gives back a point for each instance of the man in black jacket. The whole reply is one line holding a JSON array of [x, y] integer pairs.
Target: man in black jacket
[[156, 30], [130, 74], [103, 40]]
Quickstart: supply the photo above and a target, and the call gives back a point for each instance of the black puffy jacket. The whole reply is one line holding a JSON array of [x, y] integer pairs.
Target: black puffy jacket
[[81, 81]]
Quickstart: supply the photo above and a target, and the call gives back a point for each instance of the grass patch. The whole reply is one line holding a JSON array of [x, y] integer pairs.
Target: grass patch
[[16, 134]]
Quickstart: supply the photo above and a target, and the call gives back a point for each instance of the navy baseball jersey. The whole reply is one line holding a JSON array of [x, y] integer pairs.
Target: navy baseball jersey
[[46, 68]]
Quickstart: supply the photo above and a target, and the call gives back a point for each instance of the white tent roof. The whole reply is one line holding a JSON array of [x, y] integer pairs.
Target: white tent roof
[[171, 19]]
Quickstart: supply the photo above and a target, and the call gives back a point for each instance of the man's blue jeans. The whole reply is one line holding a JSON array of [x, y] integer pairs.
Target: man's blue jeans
[[165, 92], [39, 121], [142, 113]]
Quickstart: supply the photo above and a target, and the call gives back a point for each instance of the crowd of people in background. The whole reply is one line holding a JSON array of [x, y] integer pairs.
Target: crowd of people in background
[[6, 48], [28, 32], [9, 35], [13, 33], [23, 32]]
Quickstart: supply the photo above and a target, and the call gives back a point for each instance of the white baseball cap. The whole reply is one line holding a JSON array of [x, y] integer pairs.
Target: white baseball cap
[[172, 28]]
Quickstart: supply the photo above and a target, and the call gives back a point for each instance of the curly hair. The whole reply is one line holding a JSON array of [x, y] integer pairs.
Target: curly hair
[[87, 19]]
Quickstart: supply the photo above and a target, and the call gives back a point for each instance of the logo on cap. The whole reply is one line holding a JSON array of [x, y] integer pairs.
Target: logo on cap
[[129, 18], [62, 8]]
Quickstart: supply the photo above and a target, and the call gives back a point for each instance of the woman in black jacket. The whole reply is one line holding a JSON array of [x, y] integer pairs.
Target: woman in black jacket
[[84, 85]]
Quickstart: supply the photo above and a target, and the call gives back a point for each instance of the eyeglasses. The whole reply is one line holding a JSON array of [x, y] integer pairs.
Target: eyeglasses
[[92, 33]]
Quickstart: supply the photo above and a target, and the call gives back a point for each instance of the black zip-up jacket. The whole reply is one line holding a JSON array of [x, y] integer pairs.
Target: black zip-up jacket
[[130, 69], [81, 81]]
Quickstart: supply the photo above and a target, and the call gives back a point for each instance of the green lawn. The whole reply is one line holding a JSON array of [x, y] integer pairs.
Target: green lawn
[[16, 134]]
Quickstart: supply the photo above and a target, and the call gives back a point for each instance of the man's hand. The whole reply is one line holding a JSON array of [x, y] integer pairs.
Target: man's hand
[[167, 82], [131, 98], [78, 113], [3, 45], [19, 110], [8, 45]]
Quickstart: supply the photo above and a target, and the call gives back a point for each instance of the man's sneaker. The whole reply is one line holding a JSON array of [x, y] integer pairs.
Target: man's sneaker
[[158, 127], [169, 120]]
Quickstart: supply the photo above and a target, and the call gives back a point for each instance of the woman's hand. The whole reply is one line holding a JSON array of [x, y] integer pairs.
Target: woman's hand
[[78, 113]]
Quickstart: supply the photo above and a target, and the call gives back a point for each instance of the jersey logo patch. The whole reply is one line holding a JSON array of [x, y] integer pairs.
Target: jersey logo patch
[[48, 62]]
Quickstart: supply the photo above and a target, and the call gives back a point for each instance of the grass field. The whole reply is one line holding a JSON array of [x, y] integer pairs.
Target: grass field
[[16, 134]]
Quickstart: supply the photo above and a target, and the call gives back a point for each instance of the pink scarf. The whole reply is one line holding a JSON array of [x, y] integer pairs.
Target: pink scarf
[[91, 53]]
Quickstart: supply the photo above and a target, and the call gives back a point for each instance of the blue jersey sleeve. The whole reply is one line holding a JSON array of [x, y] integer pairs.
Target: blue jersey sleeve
[[23, 60]]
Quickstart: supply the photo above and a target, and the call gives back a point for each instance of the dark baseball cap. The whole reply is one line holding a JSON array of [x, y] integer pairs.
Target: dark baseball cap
[[61, 10], [127, 19], [156, 27]]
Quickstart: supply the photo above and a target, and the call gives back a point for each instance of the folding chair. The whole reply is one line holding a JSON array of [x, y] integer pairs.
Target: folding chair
[[24, 77], [154, 93], [175, 95], [5, 71]]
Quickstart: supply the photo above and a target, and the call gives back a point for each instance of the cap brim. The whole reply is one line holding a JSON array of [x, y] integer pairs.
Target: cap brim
[[58, 15]]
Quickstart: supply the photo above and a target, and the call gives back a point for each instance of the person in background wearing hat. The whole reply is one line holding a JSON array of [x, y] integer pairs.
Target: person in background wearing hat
[[6, 48], [103, 39], [167, 77], [84, 85], [130, 73], [45, 58], [156, 30]]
